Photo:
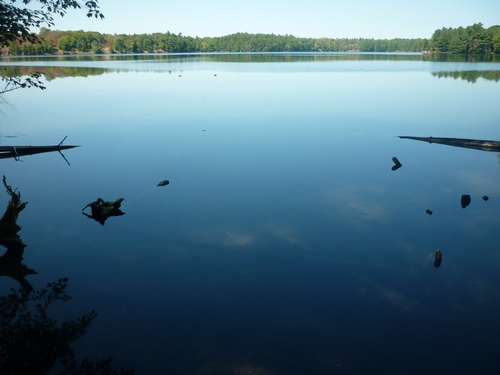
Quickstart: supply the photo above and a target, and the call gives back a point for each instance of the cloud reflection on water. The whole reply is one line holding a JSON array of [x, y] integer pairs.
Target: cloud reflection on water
[[357, 203]]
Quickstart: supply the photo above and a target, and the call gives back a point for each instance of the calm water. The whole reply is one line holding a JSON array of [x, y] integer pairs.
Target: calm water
[[284, 243]]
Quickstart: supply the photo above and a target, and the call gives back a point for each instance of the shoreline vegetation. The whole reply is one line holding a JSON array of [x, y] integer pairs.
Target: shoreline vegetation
[[473, 39]]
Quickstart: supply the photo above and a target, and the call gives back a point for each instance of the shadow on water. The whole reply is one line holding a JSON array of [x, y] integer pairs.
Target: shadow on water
[[31, 343]]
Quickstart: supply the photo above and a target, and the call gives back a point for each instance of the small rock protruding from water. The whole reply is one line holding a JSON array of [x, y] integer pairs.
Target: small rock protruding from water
[[428, 212], [485, 198], [163, 183], [397, 164], [465, 201], [438, 258]]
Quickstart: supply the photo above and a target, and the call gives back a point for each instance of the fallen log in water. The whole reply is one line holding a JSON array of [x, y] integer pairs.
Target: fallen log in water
[[477, 144], [17, 151]]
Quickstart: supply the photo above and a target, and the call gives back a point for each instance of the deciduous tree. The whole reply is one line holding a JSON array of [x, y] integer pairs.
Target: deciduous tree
[[17, 21]]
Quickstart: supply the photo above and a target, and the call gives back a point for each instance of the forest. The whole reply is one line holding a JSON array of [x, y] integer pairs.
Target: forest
[[473, 39]]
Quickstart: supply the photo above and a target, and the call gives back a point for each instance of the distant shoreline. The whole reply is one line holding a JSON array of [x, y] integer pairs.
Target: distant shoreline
[[469, 40], [84, 42]]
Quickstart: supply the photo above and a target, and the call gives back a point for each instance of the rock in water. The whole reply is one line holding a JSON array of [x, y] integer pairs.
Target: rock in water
[[163, 183], [465, 201], [485, 198], [397, 164], [429, 212], [438, 258]]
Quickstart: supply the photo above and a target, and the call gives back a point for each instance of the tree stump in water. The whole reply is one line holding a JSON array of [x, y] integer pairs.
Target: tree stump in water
[[102, 210], [11, 262]]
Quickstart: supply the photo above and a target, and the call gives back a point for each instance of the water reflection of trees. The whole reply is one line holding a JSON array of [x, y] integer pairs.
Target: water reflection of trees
[[33, 343], [261, 57], [308, 57], [470, 76], [461, 58], [11, 262], [30, 341], [52, 72]]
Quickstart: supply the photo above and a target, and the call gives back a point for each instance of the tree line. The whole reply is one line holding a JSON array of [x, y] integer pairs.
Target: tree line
[[54, 41], [473, 39]]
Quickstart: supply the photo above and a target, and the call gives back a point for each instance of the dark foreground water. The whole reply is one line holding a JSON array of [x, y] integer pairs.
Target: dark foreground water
[[284, 243]]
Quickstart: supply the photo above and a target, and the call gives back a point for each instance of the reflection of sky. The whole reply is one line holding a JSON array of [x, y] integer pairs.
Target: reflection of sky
[[146, 98], [283, 221]]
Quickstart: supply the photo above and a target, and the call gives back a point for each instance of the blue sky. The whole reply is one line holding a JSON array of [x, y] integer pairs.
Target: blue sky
[[303, 18]]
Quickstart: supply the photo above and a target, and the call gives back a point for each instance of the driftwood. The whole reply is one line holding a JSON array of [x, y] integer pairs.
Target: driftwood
[[476, 144], [102, 210], [11, 262]]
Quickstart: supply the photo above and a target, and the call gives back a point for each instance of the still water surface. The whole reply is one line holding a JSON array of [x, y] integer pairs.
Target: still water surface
[[284, 243]]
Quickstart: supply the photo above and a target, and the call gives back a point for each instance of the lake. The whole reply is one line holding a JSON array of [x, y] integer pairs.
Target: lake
[[287, 241]]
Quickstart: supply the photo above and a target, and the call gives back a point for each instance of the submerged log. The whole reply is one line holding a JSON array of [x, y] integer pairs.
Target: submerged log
[[477, 144], [102, 210]]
